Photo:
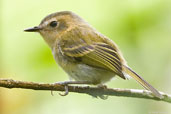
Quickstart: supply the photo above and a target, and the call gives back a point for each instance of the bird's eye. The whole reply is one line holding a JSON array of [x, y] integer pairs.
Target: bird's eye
[[53, 24]]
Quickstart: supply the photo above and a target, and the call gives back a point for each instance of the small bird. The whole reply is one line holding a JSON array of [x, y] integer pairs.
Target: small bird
[[86, 55]]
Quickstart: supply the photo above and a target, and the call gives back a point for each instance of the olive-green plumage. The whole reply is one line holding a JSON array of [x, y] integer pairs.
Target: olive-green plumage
[[85, 54]]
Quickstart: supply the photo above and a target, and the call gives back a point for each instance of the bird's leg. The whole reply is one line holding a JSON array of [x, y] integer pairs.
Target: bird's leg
[[65, 83]]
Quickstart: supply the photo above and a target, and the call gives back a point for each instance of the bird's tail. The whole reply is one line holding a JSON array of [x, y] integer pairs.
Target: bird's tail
[[140, 80]]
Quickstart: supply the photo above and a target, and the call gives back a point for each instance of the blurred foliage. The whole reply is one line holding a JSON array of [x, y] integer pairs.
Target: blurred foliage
[[1, 96], [141, 28]]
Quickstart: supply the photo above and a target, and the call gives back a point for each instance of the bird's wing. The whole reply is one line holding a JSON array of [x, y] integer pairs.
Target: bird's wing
[[99, 55], [104, 56]]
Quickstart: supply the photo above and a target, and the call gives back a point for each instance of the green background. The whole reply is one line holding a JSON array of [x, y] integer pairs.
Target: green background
[[141, 28]]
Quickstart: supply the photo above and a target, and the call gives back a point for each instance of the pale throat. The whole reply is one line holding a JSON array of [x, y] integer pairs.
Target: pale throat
[[49, 39]]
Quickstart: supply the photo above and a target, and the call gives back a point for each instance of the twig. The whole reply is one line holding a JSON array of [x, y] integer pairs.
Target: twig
[[93, 91]]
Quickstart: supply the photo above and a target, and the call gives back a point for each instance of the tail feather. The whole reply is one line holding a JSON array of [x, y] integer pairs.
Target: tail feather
[[140, 80]]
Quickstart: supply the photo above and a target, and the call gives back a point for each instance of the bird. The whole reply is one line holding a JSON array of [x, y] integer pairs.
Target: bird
[[86, 55]]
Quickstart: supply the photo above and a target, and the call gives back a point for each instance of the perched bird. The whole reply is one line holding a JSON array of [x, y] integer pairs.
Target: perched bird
[[85, 55]]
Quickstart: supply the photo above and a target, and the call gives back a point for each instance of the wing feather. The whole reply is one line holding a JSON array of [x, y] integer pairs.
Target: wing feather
[[101, 54], [78, 51]]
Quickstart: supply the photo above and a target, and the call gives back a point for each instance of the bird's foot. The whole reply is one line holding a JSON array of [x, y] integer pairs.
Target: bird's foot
[[102, 86], [66, 83]]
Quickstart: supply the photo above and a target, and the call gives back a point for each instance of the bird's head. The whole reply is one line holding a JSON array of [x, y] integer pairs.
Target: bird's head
[[55, 24]]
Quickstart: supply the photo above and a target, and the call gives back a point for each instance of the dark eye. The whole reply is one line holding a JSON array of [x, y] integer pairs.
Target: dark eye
[[53, 24]]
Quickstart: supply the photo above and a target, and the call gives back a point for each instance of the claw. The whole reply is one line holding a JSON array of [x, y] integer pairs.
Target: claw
[[104, 97], [52, 93], [66, 91]]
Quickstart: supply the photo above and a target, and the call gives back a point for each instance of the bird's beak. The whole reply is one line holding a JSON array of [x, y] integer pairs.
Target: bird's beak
[[34, 29]]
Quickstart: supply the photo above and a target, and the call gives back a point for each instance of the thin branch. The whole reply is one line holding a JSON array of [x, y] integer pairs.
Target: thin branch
[[93, 91]]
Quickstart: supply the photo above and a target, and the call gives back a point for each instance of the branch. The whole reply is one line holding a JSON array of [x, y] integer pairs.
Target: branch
[[93, 91]]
